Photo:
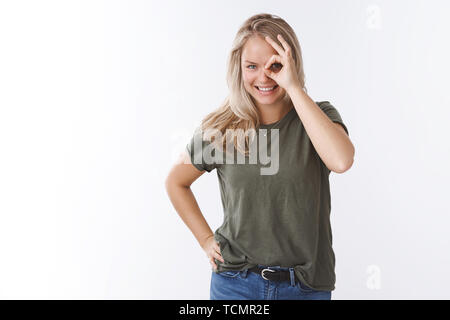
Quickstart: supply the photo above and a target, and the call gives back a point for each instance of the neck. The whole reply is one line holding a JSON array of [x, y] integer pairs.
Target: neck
[[275, 112]]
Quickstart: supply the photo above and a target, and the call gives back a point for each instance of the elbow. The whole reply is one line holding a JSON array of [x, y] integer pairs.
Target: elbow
[[169, 182], [172, 182], [345, 166]]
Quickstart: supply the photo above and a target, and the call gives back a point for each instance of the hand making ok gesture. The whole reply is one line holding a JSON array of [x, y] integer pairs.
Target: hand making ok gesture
[[287, 77]]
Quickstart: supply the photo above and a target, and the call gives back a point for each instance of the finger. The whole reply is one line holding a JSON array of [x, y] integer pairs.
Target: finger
[[275, 45], [218, 256], [211, 261], [269, 73], [273, 59], [287, 48]]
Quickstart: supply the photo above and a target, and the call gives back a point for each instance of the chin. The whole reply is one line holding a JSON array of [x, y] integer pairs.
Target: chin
[[268, 100]]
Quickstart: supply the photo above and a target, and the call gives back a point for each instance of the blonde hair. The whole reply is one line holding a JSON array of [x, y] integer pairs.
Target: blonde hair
[[238, 110]]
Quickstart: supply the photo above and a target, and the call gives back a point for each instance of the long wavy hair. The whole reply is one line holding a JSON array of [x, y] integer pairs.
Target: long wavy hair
[[238, 111]]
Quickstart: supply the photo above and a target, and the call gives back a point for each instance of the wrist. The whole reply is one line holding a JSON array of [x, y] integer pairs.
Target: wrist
[[294, 89], [205, 239]]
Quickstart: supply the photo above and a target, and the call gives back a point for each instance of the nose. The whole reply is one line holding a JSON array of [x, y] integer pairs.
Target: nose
[[263, 78]]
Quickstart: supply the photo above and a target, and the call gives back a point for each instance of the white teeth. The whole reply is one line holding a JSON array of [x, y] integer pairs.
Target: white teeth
[[266, 89]]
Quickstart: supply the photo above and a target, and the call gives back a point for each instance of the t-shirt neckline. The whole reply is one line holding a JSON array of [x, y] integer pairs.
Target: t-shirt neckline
[[274, 125]]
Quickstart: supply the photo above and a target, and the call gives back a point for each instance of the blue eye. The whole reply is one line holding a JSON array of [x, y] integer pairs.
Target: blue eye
[[251, 66]]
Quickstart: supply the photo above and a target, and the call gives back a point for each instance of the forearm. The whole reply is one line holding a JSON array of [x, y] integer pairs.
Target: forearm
[[332, 144], [186, 206]]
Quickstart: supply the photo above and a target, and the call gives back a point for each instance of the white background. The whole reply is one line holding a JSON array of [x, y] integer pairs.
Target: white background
[[97, 98]]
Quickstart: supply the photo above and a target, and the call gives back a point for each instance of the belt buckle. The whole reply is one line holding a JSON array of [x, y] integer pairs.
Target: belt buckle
[[262, 272]]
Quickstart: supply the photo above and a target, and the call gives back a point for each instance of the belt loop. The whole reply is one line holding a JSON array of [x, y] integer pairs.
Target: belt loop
[[292, 274]]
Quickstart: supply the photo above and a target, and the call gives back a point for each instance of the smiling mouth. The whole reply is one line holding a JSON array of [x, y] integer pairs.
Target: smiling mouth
[[267, 90]]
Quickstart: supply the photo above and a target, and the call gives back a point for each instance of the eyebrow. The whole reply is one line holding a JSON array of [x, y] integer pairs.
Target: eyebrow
[[250, 61]]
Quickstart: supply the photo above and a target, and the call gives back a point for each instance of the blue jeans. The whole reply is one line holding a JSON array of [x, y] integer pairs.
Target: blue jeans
[[246, 285]]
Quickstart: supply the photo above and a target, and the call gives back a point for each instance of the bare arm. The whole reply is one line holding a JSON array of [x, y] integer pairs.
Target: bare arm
[[178, 183], [330, 140]]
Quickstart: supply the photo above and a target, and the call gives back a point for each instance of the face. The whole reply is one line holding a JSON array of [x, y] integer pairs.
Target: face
[[256, 53]]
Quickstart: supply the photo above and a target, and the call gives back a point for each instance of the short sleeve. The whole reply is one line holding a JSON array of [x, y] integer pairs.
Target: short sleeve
[[332, 113], [201, 152]]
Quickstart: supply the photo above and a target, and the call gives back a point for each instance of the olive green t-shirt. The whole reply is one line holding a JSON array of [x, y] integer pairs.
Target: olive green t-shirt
[[280, 219]]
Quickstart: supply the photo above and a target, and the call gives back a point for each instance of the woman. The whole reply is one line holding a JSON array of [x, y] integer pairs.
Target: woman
[[275, 241]]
